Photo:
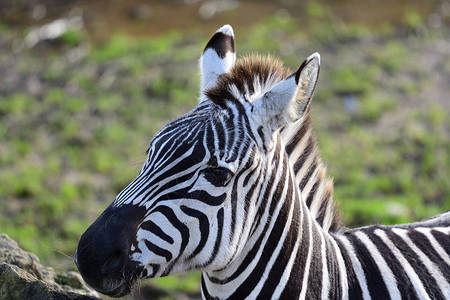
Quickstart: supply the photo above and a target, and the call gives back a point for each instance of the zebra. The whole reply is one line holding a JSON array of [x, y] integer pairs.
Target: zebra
[[235, 189]]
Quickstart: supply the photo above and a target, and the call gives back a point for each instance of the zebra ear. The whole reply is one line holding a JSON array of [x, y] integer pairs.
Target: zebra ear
[[218, 58], [287, 101]]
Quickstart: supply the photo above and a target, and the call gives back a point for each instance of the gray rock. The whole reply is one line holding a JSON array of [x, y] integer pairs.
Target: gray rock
[[22, 276]]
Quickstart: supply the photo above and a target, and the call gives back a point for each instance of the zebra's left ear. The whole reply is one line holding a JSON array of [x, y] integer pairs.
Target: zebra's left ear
[[218, 58], [287, 100]]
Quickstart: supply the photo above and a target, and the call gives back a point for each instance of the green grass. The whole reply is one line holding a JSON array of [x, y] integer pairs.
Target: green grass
[[68, 150]]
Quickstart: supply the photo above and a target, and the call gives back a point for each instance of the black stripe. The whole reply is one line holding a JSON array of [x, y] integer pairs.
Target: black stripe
[[158, 250], [354, 289], [220, 136], [221, 43], [203, 225], [261, 135], [294, 142], [155, 269], [423, 243], [204, 197], [305, 179], [305, 154], [205, 292], [442, 239], [314, 287], [375, 283], [246, 122], [182, 228], [234, 197], [209, 134], [257, 219], [311, 194], [156, 230], [334, 274], [231, 128], [298, 269], [321, 214], [218, 237], [249, 176], [241, 129]]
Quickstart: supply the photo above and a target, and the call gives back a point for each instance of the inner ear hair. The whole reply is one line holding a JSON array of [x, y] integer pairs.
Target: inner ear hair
[[306, 79]]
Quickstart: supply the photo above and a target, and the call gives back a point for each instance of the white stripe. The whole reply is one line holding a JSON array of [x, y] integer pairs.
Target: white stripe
[[325, 276], [308, 261], [289, 134], [317, 199], [342, 269], [356, 266], [304, 170], [309, 185]]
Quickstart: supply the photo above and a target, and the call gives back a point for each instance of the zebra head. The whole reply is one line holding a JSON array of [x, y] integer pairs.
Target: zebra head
[[194, 203]]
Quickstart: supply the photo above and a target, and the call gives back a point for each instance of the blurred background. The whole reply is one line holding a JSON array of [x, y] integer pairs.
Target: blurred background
[[84, 85]]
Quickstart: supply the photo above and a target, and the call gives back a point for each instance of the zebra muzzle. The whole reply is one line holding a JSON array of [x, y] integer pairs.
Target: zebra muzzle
[[103, 256]]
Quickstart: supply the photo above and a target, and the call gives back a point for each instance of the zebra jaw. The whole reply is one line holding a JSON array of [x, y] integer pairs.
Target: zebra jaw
[[149, 271]]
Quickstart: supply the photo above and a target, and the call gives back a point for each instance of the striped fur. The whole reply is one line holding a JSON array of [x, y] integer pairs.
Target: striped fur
[[253, 76], [226, 192], [310, 173]]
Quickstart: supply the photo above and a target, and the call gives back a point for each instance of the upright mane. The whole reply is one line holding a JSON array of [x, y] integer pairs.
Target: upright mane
[[311, 173], [251, 77]]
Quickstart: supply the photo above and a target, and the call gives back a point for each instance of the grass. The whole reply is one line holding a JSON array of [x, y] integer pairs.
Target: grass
[[72, 142]]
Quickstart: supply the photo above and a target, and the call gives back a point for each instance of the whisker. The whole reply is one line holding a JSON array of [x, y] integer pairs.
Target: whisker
[[65, 255]]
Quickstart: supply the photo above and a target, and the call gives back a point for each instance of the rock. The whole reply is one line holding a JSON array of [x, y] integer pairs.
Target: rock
[[22, 276]]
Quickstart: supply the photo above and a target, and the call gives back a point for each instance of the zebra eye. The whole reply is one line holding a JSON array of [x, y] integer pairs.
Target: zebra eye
[[218, 176]]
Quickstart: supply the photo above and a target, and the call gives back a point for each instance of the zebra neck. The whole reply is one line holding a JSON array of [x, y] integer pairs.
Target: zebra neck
[[310, 173], [288, 254]]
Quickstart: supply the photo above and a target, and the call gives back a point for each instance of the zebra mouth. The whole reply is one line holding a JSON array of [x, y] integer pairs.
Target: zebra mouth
[[117, 284], [122, 288]]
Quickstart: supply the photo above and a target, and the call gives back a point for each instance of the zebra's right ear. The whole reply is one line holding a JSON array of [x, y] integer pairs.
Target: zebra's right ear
[[218, 58], [287, 101]]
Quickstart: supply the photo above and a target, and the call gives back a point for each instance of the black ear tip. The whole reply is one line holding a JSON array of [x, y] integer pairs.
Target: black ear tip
[[222, 41], [314, 59]]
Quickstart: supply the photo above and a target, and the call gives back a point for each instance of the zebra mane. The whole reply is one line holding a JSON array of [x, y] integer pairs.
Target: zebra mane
[[250, 78], [311, 173]]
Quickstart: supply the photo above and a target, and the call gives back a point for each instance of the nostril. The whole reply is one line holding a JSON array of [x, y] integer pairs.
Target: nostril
[[115, 262]]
